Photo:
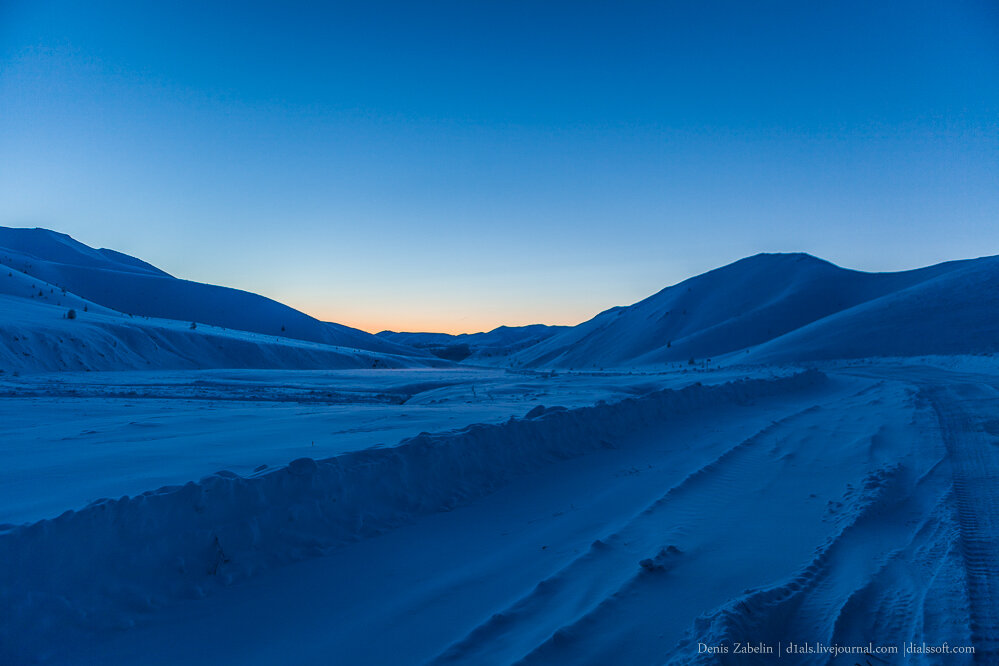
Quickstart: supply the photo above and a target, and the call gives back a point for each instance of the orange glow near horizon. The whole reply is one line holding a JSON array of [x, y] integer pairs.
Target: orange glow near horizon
[[452, 313], [454, 309], [409, 324]]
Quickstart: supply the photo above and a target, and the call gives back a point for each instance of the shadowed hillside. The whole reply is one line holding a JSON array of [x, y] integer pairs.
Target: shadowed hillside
[[131, 286], [739, 306]]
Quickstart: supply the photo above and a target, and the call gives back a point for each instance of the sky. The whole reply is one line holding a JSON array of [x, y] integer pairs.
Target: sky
[[454, 166]]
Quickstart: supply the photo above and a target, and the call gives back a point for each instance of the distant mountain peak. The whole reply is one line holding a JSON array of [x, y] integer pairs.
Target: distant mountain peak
[[783, 258]]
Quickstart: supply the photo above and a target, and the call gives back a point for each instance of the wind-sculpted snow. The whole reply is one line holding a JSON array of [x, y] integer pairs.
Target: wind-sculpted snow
[[102, 566]]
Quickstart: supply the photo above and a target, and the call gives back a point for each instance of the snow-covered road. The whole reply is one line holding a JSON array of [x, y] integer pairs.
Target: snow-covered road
[[857, 508]]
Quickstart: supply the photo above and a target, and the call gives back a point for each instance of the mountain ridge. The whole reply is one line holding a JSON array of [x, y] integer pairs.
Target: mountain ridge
[[732, 308], [97, 276], [765, 308]]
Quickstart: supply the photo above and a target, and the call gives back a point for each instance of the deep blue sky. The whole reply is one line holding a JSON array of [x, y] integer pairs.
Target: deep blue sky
[[455, 166]]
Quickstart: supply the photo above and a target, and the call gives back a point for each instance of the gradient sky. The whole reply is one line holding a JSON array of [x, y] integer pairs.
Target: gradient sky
[[456, 166]]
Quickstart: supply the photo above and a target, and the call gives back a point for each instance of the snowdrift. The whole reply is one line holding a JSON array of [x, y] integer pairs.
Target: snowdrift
[[100, 567], [131, 286]]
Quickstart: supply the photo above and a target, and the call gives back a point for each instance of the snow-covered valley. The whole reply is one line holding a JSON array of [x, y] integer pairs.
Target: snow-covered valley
[[180, 491]]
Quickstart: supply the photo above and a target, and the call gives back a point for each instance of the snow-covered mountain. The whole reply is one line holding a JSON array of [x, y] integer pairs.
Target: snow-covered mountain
[[762, 309], [41, 336], [762, 299], [954, 312], [132, 286], [66, 306]]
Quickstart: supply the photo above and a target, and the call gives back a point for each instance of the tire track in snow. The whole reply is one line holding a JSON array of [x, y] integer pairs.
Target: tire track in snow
[[964, 411], [917, 596], [611, 563], [634, 624], [814, 603]]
